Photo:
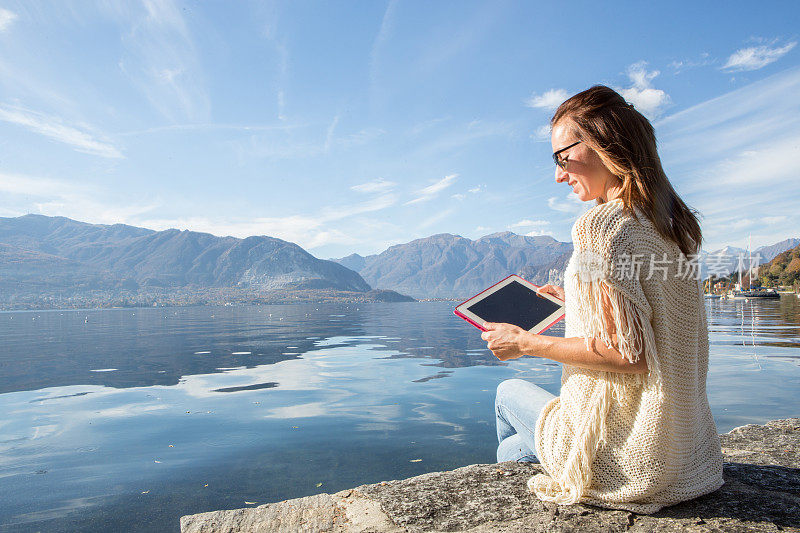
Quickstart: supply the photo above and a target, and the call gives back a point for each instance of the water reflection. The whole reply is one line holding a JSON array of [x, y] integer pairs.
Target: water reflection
[[128, 419], [145, 347]]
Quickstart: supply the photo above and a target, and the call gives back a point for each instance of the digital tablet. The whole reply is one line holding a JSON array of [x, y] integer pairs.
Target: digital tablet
[[513, 301]]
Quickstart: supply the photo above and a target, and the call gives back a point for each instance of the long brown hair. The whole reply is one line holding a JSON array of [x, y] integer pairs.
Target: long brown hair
[[626, 143]]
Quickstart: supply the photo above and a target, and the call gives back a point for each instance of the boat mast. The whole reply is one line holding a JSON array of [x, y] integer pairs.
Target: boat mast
[[740, 274], [749, 265]]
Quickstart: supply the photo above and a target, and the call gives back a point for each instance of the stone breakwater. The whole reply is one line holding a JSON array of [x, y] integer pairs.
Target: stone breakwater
[[761, 493]]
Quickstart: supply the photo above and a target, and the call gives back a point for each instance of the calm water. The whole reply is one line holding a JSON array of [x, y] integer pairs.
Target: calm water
[[124, 420]]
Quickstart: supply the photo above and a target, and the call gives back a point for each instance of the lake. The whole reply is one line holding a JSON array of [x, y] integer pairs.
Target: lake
[[127, 419]]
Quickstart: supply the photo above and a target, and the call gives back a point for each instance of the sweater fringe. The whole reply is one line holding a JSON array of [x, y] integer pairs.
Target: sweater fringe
[[628, 318], [575, 476]]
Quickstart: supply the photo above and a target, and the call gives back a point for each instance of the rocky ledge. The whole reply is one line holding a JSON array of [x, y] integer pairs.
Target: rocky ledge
[[761, 493]]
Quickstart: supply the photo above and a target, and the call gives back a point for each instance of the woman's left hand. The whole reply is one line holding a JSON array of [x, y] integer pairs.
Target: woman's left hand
[[507, 341]]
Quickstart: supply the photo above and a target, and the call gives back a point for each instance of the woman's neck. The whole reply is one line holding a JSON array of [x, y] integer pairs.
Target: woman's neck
[[613, 192]]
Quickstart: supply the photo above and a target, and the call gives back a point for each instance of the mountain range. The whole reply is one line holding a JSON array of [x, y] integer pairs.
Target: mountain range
[[447, 266], [56, 255], [57, 259], [451, 266]]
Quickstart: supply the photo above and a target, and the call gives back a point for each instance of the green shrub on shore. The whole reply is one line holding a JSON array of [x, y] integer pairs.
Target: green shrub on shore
[[784, 269]]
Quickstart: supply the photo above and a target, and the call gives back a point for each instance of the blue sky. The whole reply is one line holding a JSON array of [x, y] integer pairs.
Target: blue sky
[[351, 126]]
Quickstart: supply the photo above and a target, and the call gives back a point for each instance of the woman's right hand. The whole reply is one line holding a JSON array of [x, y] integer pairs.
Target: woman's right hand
[[552, 290]]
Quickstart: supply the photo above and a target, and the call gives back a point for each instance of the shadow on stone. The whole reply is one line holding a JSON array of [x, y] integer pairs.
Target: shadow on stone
[[753, 494]]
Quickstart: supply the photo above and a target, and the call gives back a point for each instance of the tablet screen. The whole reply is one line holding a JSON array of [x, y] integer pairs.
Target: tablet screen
[[514, 304]]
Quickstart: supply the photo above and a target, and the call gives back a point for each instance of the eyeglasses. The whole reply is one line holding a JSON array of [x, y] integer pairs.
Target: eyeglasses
[[562, 163]]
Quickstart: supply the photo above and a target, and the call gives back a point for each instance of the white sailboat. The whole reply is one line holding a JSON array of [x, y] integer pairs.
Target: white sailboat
[[754, 291]]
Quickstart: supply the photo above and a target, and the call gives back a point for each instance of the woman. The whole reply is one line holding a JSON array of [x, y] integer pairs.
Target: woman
[[632, 428]]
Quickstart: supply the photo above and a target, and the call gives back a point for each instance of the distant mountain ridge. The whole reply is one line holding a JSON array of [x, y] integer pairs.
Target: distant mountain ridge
[[39, 253], [731, 259], [768, 253], [56, 257], [451, 266]]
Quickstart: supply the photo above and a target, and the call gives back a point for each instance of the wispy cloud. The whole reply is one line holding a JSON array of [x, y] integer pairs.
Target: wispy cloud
[[427, 125], [20, 184], [21, 194], [211, 127], [306, 141], [704, 60], [734, 122], [383, 35], [281, 102], [751, 145], [430, 192], [332, 213], [54, 128], [462, 195], [331, 224], [308, 230], [466, 28], [283, 73], [750, 167], [527, 223], [460, 135], [162, 61], [549, 100], [568, 204], [384, 32], [647, 99], [436, 218], [268, 12], [360, 137], [756, 57], [537, 233], [19, 80], [329, 134], [378, 185], [542, 133], [781, 219], [6, 18]]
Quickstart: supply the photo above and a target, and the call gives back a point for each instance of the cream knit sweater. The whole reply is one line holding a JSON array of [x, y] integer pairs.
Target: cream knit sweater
[[630, 441]]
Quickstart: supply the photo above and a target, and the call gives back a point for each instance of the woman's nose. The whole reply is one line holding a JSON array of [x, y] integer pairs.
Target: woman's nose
[[561, 174]]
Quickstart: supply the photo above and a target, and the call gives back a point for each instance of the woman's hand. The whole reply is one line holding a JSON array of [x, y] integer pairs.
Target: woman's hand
[[552, 290], [507, 341]]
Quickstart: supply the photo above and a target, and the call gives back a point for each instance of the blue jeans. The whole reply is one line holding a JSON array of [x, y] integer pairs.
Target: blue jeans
[[517, 407]]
